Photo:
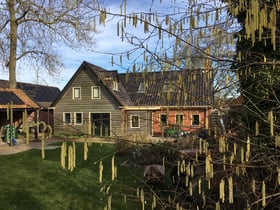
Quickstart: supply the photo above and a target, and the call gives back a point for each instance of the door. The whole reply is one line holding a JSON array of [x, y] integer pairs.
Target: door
[[100, 124]]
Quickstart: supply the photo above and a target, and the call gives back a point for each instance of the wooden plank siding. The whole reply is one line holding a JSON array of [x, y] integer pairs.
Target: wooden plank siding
[[86, 105], [145, 120]]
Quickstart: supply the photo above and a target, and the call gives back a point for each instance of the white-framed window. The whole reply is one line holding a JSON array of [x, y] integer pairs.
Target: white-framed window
[[179, 119], [95, 92], [76, 92], [135, 121], [67, 117], [115, 85], [78, 118], [195, 120], [141, 88], [163, 119]]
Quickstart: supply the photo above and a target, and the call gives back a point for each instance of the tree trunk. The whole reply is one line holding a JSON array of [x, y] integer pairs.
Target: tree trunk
[[13, 44]]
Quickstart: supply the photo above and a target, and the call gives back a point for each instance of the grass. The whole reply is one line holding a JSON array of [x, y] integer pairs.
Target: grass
[[28, 182]]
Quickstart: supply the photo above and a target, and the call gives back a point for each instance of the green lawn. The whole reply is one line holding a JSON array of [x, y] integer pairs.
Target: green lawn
[[28, 182]]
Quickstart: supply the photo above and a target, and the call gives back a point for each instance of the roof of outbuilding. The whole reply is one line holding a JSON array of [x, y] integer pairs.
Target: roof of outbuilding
[[43, 95], [17, 97]]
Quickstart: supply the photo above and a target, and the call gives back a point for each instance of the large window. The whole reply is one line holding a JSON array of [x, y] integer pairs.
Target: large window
[[78, 118], [179, 119], [195, 120], [67, 117], [76, 93], [135, 121], [95, 92], [163, 119]]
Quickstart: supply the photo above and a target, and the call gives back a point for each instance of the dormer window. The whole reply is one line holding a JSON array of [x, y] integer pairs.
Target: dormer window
[[115, 86], [141, 88], [167, 87]]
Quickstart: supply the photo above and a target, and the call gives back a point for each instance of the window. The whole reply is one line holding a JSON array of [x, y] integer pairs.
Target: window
[[195, 120], [167, 87], [163, 119], [135, 121], [67, 117], [78, 118], [141, 88], [115, 86], [179, 119], [95, 92], [76, 93]]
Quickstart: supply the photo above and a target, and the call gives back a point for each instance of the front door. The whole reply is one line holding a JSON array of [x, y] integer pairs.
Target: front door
[[100, 124]]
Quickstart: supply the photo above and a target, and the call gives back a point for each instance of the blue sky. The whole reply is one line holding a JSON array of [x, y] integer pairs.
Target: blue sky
[[106, 41]]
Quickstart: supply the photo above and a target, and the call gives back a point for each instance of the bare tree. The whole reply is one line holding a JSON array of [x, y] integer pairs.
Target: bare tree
[[33, 31]]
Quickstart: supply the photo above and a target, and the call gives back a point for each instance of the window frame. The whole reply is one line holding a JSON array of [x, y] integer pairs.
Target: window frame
[[193, 120], [75, 118], [64, 118], [115, 85], [181, 122], [92, 92], [131, 121], [74, 93]]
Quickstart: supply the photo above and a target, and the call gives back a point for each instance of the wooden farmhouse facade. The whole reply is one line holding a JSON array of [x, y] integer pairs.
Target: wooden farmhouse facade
[[99, 102]]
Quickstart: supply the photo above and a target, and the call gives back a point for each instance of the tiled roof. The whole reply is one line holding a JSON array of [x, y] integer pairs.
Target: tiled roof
[[43, 95], [17, 97], [170, 88]]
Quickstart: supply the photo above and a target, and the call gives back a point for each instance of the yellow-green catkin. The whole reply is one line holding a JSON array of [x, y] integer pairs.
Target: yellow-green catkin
[[277, 141], [43, 145], [113, 168], [100, 171], [218, 206], [85, 150], [142, 198], [154, 203], [263, 194], [257, 128], [208, 167], [271, 123], [230, 189], [70, 158], [63, 154], [247, 155], [222, 190], [222, 144], [109, 203], [74, 154]]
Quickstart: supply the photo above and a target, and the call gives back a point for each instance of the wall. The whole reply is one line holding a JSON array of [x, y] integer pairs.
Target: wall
[[86, 105], [187, 119]]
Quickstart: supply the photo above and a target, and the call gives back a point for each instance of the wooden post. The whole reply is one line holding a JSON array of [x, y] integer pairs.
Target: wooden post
[[11, 123]]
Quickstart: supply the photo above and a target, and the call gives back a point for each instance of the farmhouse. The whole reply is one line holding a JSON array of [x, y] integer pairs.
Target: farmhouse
[[99, 102]]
